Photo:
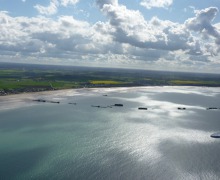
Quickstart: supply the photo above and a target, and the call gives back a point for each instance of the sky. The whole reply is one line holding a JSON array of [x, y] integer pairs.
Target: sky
[[175, 35]]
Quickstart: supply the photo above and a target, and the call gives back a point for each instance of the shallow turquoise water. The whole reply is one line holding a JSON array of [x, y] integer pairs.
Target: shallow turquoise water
[[65, 141]]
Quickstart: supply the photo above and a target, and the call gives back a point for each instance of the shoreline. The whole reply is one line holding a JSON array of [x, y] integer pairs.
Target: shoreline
[[104, 90], [15, 92], [13, 101]]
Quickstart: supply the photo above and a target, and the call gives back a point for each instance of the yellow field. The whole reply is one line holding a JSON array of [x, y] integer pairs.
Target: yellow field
[[186, 82], [105, 82]]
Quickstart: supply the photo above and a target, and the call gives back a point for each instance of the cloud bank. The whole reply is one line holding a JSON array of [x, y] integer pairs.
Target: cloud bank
[[125, 39]]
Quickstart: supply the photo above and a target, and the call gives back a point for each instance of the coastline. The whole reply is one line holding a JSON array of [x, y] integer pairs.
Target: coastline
[[27, 98], [104, 89], [29, 91]]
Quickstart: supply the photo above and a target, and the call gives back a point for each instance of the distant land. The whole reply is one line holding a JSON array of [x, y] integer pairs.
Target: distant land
[[20, 78]]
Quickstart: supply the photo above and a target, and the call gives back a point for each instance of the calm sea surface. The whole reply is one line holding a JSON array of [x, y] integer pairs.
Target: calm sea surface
[[77, 141]]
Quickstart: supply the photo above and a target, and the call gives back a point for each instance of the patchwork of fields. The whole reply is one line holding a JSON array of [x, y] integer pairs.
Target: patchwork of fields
[[16, 78]]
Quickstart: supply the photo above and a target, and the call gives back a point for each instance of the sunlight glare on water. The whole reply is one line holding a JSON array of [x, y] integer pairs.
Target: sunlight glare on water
[[78, 141]]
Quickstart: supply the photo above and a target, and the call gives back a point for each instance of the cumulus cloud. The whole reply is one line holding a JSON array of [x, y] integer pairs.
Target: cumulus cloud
[[203, 24], [52, 8], [156, 3], [48, 10], [68, 2], [130, 27], [102, 3], [126, 37], [62, 38]]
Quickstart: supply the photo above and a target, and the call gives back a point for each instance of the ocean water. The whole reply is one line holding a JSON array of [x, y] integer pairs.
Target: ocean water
[[67, 141]]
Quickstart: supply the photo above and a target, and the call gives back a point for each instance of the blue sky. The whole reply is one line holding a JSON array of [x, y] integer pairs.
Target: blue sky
[[181, 35]]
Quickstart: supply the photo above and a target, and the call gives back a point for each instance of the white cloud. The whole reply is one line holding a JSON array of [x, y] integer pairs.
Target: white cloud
[[64, 37], [48, 10], [68, 2], [52, 8], [130, 27], [202, 24], [126, 38], [102, 3], [203, 21], [156, 3]]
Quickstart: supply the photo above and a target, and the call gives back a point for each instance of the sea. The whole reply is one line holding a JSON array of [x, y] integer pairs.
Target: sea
[[83, 134]]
